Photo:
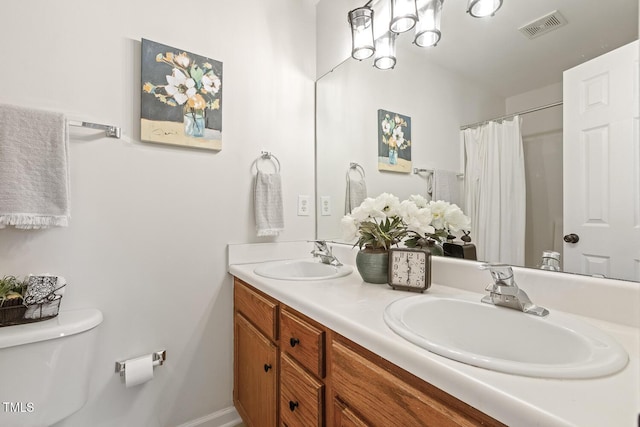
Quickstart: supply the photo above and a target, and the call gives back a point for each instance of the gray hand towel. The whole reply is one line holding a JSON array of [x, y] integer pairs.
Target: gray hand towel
[[446, 186], [34, 168], [268, 204], [355, 194]]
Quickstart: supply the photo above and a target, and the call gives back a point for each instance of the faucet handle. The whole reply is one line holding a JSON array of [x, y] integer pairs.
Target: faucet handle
[[501, 273]]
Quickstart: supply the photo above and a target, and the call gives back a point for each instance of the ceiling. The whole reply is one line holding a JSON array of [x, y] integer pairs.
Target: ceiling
[[495, 53]]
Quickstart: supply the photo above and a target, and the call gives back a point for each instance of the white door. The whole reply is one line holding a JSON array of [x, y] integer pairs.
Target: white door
[[601, 163]]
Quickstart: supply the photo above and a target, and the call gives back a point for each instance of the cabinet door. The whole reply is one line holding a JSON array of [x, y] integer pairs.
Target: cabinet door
[[256, 375], [301, 396], [345, 417]]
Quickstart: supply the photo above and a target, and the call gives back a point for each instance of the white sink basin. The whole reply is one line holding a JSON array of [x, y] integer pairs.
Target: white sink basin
[[506, 340], [299, 269]]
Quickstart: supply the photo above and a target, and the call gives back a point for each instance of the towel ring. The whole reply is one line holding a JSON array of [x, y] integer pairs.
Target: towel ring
[[357, 167], [266, 155]]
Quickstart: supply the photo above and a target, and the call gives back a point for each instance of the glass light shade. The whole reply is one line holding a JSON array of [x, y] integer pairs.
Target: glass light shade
[[428, 26], [385, 58], [361, 21], [404, 15], [483, 8]]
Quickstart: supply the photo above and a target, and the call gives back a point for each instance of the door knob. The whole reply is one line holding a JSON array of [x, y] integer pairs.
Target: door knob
[[571, 238]]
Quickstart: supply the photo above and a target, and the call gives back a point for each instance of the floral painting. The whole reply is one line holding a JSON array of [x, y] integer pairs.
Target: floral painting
[[394, 142], [181, 97]]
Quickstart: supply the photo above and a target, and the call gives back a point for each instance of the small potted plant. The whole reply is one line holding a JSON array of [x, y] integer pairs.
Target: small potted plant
[[12, 307]]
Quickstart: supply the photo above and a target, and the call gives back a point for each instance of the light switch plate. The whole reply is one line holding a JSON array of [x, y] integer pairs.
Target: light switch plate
[[325, 205], [303, 205]]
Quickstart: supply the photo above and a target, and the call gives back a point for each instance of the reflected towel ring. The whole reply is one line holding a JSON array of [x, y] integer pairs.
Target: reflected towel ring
[[266, 155], [357, 167]]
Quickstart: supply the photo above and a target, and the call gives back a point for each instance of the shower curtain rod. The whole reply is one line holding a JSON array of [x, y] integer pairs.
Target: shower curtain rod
[[508, 116]]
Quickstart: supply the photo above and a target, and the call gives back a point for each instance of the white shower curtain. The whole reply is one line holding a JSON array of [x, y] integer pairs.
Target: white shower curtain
[[495, 192]]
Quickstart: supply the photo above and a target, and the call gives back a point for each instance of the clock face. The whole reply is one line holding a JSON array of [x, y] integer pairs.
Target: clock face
[[409, 269]]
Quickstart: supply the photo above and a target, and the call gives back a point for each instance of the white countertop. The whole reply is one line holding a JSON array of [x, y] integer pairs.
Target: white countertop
[[354, 309]]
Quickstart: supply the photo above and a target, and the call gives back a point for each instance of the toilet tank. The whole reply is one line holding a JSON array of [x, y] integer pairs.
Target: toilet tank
[[45, 368]]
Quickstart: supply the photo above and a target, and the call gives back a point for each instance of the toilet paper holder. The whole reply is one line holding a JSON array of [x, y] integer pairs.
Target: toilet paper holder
[[158, 358]]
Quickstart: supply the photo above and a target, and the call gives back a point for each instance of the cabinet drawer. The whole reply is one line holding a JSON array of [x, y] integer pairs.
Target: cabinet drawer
[[303, 341], [388, 400], [261, 311], [301, 396]]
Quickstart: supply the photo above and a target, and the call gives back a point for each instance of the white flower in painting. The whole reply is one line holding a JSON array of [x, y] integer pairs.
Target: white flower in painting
[[211, 83], [398, 134], [182, 60], [180, 87], [386, 127]]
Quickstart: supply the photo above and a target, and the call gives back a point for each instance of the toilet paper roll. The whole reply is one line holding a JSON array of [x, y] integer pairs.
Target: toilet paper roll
[[138, 370]]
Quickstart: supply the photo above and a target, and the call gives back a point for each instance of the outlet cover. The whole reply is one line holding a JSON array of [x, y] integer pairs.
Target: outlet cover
[[325, 205], [303, 206]]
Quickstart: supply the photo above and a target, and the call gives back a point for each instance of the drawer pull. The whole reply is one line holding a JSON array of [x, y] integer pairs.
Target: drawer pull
[[293, 405], [267, 366], [294, 341]]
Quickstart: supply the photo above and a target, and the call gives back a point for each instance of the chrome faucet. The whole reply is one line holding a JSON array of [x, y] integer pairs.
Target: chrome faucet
[[323, 252], [505, 292]]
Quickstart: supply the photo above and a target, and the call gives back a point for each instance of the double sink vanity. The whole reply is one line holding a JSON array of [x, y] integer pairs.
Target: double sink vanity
[[315, 345]]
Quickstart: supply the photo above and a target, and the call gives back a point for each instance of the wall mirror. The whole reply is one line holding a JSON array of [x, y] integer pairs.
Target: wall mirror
[[481, 69]]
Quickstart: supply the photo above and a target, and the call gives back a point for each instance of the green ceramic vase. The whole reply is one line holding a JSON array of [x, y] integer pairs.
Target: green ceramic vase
[[373, 265]]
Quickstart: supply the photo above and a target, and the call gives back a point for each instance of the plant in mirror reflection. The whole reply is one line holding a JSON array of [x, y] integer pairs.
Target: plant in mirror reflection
[[385, 221], [376, 223]]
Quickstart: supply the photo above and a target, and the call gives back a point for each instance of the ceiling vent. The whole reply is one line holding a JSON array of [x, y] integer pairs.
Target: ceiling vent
[[544, 25]]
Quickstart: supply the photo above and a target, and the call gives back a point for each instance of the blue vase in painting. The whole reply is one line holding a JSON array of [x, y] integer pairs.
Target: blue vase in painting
[[393, 156], [194, 122]]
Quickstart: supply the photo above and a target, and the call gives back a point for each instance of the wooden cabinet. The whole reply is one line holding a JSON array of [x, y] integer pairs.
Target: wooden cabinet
[[255, 388], [291, 371], [301, 395]]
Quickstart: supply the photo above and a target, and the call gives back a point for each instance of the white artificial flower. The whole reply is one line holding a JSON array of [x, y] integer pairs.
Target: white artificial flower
[[180, 87], [417, 219], [455, 219], [438, 209], [388, 204], [349, 228], [419, 201], [366, 210]]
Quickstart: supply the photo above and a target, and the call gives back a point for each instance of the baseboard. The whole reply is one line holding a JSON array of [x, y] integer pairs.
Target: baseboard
[[227, 417]]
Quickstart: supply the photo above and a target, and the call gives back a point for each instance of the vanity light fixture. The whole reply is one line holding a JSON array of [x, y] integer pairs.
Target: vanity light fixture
[[385, 58], [361, 21], [404, 15], [483, 8], [424, 15], [428, 26]]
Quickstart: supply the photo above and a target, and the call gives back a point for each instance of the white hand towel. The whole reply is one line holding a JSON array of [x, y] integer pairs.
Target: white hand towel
[[355, 194], [268, 204], [446, 186], [34, 168]]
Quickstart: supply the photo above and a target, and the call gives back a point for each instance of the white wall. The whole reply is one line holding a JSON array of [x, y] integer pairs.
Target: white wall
[[150, 224], [542, 140]]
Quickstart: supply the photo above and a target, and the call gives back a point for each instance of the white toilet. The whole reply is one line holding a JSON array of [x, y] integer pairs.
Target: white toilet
[[45, 368]]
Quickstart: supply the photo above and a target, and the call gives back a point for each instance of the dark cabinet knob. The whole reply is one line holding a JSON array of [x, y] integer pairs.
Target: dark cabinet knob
[[293, 405], [571, 238], [294, 341], [267, 366]]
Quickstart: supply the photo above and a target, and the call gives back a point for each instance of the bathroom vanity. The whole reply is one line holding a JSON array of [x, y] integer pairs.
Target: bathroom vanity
[[319, 353]]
